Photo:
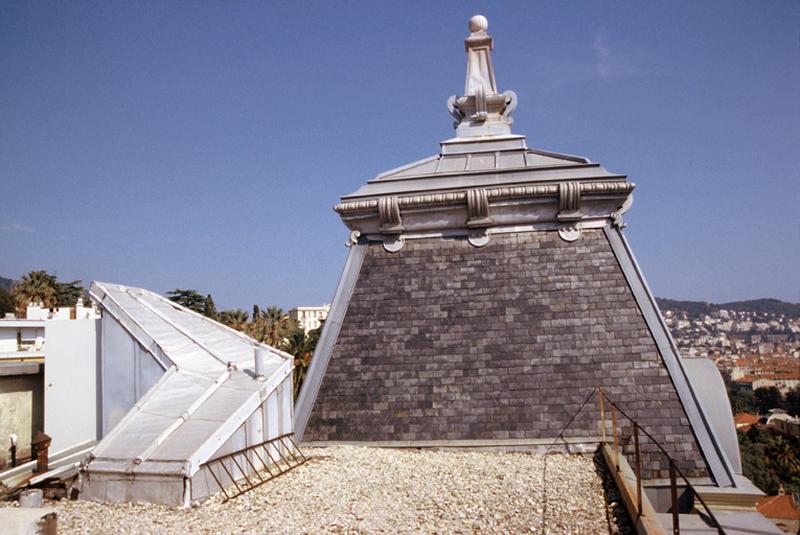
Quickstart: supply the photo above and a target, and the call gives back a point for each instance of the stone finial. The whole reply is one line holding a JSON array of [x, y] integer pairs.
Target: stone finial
[[481, 111]]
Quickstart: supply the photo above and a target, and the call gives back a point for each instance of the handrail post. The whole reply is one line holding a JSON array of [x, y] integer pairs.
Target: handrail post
[[638, 461], [601, 397], [676, 523], [614, 435]]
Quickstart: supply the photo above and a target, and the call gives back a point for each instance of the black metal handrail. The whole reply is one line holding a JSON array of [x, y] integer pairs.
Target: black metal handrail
[[673, 468]]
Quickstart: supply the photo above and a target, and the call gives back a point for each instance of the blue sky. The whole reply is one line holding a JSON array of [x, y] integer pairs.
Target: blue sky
[[203, 144]]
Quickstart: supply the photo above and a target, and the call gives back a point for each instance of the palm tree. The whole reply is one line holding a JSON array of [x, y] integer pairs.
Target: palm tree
[[271, 326], [782, 457], [234, 318], [302, 346], [35, 287], [279, 325]]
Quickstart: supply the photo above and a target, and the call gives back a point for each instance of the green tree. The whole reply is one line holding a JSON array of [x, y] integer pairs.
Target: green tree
[[741, 400], [35, 287], [6, 302], [191, 299], [271, 326], [767, 398], [783, 457], [68, 293], [754, 461], [234, 318], [209, 308], [793, 402], [770, 459], [301, 345]]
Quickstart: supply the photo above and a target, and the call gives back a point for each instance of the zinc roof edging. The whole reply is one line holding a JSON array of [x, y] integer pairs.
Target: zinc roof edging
[[716, 459], [118, 312], [224, 431], [330, 332]]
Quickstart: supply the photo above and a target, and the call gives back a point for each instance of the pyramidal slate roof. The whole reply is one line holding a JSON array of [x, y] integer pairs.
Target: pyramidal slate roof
[[488, 290], [207, 390]]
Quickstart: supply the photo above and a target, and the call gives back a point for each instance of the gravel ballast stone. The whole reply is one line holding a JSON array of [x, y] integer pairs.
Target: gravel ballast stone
[[347, 489]]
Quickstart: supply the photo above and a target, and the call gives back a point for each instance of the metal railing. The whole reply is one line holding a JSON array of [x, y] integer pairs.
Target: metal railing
[[673, 468], [251, 467]]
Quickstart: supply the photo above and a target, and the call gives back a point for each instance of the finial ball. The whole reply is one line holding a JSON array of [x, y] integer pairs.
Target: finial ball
[[478, 23]]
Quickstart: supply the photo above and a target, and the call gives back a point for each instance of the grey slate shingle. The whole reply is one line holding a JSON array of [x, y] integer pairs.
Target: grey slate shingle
[[443, 340]]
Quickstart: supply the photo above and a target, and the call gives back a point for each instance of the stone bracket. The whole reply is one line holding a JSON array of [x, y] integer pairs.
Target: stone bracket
[[389, 215], [478, 216], [478, 208], [569, 201]]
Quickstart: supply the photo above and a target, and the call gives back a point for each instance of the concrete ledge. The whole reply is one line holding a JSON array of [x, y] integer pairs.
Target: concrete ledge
[[20, 368], [571, 445], [733, 523], [647, 522]]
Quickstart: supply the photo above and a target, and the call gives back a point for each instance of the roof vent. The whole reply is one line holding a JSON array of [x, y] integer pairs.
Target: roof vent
[[260, 355]]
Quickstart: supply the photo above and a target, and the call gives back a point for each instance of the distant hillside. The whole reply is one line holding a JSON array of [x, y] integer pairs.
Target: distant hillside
[[6, 283], [768, 306]]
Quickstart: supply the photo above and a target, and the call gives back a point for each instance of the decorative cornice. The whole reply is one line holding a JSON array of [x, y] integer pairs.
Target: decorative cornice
[[493, 194]]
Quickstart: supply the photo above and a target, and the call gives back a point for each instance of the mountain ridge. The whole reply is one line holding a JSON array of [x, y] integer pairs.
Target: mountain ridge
[[763, 306]]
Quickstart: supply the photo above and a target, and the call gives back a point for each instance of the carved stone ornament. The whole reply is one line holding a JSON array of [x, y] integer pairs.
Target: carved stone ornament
[[569, 234], [393, 243], [482, 110], [353, 238], [389, 215], [478, 237]]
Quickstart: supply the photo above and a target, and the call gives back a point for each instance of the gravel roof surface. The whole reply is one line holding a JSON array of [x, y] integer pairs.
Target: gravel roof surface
[[369, 490]]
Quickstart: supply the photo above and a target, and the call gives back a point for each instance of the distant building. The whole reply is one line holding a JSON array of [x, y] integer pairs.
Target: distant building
[[21, 336], [46, 349], [310, 318]]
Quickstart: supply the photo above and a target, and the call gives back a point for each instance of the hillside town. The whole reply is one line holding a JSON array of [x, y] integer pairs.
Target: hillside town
[[752, 348]]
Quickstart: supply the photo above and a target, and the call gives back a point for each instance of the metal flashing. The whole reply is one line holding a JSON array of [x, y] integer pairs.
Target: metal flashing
[[718, 463], [330, 332]]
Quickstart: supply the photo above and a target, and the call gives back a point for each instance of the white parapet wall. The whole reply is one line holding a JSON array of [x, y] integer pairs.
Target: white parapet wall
[[71, 379]]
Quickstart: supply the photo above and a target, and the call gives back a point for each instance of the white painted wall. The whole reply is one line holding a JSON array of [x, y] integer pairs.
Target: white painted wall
[[71, 380], [8, 340]]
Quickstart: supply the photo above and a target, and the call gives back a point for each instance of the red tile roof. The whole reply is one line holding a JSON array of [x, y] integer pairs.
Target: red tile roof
[[745, 418], [780, 506]]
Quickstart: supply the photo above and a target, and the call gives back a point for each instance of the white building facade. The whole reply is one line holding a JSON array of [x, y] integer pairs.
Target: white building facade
[[310, 318]]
